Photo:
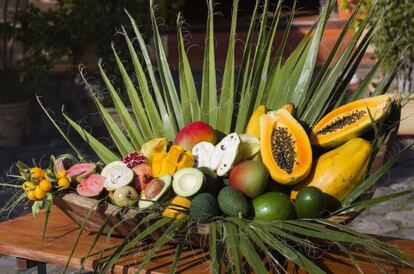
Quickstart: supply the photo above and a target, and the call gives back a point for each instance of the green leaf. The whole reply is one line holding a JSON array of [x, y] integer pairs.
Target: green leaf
[[166, 237], [128, 243], [82, 227], [48, 207], [351, 256], [167, 121], [357, 207], [232, 241], [209, 109], [120, 140], [298, 94], [189, 98], [36, 207], [77, 151], [215, 246], [170, 92], [177, 257], [100, 149], [134, 135], [373, 178], [145, 132], [227, 88], [251, 255]]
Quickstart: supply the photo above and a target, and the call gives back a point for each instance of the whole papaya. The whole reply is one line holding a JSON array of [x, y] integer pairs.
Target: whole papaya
[[337, 172]]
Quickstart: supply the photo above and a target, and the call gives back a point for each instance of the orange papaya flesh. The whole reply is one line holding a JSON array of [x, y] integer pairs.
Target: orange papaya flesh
[[349, 121], [285, 147]]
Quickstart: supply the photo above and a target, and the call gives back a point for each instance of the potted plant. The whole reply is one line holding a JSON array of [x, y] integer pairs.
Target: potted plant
[[13, 96]]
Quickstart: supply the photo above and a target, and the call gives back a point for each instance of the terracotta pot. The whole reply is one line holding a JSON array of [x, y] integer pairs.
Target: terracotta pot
[[12, 123]]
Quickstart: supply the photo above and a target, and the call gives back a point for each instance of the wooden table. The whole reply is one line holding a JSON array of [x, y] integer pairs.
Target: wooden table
[[21, 238]]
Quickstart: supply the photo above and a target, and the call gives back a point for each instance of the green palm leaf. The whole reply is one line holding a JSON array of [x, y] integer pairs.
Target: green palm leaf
[[209, 109], [101, 150]]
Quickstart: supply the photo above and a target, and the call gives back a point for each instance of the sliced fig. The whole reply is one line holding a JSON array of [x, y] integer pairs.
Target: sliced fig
[[78, 172], [91, 186]]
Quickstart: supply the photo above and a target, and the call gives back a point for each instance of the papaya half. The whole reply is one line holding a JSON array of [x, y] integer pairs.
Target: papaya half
[[349, 121], [337, 172], [285, 147]]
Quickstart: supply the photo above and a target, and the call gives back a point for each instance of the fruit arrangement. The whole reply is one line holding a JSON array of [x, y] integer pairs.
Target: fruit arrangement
[[263, 165]]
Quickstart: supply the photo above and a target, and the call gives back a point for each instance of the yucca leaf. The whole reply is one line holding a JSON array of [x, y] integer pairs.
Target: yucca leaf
[[227, 86], [373, 178], [66, 138], [177, 257], [134, 135], [187, 84], [298, 94], [209, 109], [231, 237], [389, 77], [101, 150], [117, 136], [170, 92], [249, 252], [167, 121]]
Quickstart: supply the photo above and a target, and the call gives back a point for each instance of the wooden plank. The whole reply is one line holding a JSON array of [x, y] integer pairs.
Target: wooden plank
[[21, 237]]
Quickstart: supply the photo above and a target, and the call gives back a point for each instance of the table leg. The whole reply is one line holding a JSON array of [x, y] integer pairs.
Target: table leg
[[24, 264]]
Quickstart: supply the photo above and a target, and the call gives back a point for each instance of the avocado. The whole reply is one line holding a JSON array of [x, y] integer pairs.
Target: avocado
[[188, 181], [213, 183], [233, 203], [147, 202], [204, 207]]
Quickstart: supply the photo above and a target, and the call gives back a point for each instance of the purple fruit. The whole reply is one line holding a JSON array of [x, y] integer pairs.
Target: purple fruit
[[249, 177]]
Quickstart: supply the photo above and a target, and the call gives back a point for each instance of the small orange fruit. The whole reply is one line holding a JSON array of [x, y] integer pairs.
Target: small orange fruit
[[64, 183], [31, 195], [37, 173], [61, 174], [39, 193], [45, 185], [28, 186]]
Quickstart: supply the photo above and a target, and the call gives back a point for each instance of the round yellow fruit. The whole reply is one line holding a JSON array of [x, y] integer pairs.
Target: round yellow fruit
[[37, 173], [61, 174], [31, 195], [45, 185], [39, 193], [27, 186], [64, 183]]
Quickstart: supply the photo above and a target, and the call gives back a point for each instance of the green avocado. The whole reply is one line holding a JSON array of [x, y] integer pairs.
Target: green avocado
[[233, 203], [188, 182], [273, 206], [204, 207]]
